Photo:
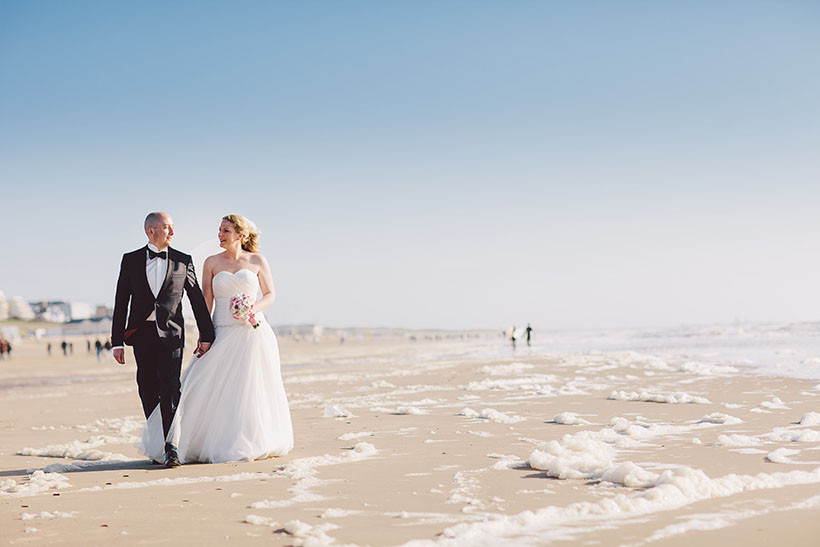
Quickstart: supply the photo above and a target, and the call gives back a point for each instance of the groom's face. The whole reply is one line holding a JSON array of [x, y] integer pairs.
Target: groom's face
[[162, 232]]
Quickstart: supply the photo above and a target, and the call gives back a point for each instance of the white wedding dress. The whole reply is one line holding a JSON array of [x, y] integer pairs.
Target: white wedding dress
[[233, 405]]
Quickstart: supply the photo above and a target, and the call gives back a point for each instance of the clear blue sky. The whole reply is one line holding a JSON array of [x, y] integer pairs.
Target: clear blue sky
[[426, 164]]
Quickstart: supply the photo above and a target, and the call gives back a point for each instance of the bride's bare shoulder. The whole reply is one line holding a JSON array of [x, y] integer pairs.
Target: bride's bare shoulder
[[213, 260], [258, 259]]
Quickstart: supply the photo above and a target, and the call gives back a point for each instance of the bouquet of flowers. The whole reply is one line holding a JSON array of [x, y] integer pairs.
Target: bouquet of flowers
[[242, 309]]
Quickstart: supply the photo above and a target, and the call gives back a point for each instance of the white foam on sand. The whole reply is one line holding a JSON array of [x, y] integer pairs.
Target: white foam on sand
[[120, 426], [333, 513], [411, 410], [336, 411], [492, 415], [640, 429], [569, 418], [737, 439], [256, 520], [706, 369], [532, 382], [505, 370], [677, 397], [583, 456], [75, 450], [304, 471], [728, 518], [112, 431], [49, 516], [591, 454], [810, 418], [37, 482], [775, 404], [782, 455], [781, 434], [403, 410], [508, 462], [466, 483], [353, 436], [720, 418], [671, 490], [309, 536]]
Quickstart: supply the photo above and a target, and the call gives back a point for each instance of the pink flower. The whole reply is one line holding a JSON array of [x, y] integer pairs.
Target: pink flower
[[242, 309]]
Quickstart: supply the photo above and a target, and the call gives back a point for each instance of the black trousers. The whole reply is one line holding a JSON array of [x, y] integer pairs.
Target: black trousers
[[158, 369]]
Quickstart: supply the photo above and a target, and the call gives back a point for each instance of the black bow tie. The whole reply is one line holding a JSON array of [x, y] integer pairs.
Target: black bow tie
[[162, 254]]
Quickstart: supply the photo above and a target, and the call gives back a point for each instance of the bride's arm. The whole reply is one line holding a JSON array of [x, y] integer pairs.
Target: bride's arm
[[265, 283], [207, 283]]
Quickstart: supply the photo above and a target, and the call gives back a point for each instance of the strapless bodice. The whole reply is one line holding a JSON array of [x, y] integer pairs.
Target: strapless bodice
[[226, 285]]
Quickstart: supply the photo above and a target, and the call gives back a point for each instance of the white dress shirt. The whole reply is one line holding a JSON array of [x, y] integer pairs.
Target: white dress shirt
[[155, 270]]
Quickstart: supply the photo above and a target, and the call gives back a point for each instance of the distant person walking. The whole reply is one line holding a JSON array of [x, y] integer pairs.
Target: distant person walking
[[99, 347], [529, 334], [3, 344], [48, 349], [512, 336], [64, 345]]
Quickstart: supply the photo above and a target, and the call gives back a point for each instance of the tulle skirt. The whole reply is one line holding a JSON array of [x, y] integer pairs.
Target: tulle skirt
[[233, 405]]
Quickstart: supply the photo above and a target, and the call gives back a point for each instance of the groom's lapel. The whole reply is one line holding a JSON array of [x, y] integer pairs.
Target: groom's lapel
[[141, 268], [167, 273]]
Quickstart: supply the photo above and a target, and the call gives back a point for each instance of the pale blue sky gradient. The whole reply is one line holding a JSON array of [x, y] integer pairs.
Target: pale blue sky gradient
[[426, 164]]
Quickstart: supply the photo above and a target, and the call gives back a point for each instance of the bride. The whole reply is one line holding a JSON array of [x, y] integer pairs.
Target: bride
[[233, 405]]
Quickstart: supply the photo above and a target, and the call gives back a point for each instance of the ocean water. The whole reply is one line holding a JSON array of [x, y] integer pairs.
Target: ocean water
[[772, 349]]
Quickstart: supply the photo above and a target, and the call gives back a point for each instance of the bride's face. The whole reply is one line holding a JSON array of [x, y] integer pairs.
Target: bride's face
[[227, 234]]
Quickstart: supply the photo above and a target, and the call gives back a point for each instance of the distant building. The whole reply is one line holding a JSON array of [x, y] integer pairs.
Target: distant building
[[80, 310], [4, 307], [20, 309], [62, 312], [53, 312], [10, 333], [103, 312]]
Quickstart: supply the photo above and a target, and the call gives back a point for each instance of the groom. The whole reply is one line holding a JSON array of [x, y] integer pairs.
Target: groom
[[153, 278]]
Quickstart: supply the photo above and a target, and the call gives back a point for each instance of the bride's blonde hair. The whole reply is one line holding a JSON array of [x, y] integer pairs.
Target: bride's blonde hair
[[247, 230]]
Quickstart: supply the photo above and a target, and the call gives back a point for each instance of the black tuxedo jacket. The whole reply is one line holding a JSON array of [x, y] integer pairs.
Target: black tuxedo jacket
[[133, 287]]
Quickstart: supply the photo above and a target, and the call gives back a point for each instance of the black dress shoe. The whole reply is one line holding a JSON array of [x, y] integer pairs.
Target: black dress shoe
[[172, 458]]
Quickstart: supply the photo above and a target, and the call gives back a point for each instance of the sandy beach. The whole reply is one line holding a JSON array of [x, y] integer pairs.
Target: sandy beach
[[450, 439]]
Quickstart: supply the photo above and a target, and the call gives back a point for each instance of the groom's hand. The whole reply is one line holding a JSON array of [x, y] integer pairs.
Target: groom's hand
[[119, 355], [202, 348]]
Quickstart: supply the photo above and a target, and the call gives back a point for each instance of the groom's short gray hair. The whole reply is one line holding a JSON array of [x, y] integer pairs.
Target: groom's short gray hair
[[152, 219]]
